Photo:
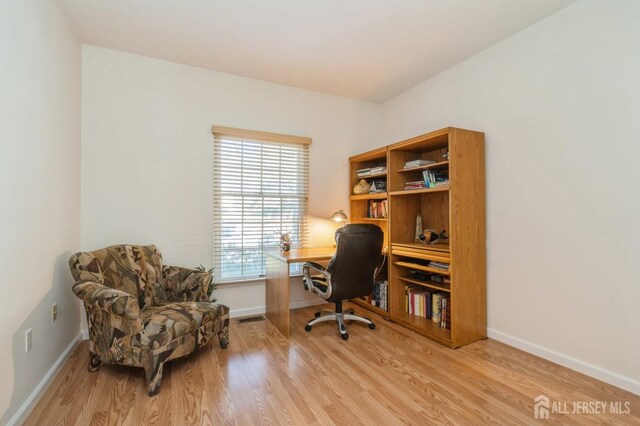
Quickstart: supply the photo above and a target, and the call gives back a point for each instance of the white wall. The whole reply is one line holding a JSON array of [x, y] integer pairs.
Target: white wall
[[560, 106], [147, 152], [39, 192]]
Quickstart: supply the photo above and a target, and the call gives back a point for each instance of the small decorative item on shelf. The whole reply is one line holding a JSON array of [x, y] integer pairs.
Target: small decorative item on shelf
[[285, 241], [213, 285], [418, 228], [362, 187], [446, 155], [378, 186], [429, 236]]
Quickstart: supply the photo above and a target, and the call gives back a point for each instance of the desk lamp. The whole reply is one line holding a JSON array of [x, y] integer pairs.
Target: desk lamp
[[339, 216]]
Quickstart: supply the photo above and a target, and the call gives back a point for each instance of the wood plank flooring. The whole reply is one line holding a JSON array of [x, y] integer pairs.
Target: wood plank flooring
[[387, 376]]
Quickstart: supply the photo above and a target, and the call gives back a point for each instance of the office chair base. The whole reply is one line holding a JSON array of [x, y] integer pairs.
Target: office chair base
[[340, 318]]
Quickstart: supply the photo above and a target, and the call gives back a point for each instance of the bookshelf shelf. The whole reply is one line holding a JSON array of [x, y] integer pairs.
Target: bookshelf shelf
[[442, 165], [428, 284], [419, 267], [420, 191], [456, 155], [376, 196], [373, 176], [444, 248], [426, 326]]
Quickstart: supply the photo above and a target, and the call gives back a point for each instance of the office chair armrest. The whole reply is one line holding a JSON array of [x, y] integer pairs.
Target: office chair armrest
[[308, 280]]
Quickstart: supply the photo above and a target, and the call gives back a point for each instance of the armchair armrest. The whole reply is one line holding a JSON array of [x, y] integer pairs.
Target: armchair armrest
[[186, 285], [324, 280], [110, 300]]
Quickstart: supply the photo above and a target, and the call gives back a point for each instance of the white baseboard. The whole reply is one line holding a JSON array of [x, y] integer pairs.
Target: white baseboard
[[307, 303], [31, 401], [258, 310], [591, 370], [245, 312]]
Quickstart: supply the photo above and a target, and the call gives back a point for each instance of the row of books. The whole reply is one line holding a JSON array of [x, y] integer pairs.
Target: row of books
[[417, 184], [371, 171], [430, 304], [378, 297], [377, 209], [433, 178], [379, 294]]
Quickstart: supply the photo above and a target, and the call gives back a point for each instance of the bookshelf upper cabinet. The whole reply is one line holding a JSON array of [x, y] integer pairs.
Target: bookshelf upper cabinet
[[436, 288]]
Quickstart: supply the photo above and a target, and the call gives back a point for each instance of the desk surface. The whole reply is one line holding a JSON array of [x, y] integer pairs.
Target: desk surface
[[304, 254]]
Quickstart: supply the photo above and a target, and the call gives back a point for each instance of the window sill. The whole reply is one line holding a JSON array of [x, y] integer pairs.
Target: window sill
[[251, 281]]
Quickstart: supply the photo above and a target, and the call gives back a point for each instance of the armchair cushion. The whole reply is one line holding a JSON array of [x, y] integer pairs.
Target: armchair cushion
[[163, 324], [185, 285]]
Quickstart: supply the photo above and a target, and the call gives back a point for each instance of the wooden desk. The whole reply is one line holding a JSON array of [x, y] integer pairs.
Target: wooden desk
[[278, 285]]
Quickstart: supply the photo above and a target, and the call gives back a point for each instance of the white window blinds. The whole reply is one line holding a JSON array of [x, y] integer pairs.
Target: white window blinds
[[260, 190]]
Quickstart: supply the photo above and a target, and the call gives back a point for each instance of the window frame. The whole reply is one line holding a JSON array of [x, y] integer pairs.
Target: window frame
[[267, 138]]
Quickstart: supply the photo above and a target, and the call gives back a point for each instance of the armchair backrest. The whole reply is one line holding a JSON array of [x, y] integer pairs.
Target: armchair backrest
[[352, 268], [136, 270]]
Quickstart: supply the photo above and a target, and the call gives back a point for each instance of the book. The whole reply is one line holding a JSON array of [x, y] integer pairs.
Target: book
[[437, 278], [439, 265], [436, 308], [444, 312], [378, 170], [417, 163], [363, 172]]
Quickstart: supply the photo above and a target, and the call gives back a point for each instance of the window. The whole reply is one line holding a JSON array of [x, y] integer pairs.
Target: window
[[261, 185]]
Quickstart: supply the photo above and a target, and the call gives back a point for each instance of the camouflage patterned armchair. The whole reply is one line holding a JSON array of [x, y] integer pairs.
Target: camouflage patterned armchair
[[143, 313]]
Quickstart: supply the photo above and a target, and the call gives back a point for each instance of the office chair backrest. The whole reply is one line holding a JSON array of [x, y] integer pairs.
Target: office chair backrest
[[358, 249]]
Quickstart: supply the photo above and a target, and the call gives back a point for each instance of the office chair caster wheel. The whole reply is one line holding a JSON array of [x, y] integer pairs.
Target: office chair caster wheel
[[317, 314], [372, 326], [345, 336], [307, 328]]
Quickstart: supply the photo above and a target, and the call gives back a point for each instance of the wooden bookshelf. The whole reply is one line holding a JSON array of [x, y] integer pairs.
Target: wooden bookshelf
[[458, 208]]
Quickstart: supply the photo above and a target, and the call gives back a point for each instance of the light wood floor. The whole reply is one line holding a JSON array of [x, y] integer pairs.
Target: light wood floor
[[387, 376]]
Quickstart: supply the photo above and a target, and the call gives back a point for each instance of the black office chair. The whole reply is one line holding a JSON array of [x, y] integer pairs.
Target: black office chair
[[349, 274]]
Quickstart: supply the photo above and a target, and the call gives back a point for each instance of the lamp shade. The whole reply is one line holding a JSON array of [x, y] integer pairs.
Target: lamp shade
[[339, 216]]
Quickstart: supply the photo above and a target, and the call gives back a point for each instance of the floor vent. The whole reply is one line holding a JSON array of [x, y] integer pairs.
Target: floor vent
[[250, 319]]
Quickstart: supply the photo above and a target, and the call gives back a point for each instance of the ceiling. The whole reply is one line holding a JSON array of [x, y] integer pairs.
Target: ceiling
[[364, 49]]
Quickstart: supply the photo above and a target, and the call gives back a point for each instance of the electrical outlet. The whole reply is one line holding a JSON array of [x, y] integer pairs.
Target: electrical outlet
[[54, 312], [27, 340]]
